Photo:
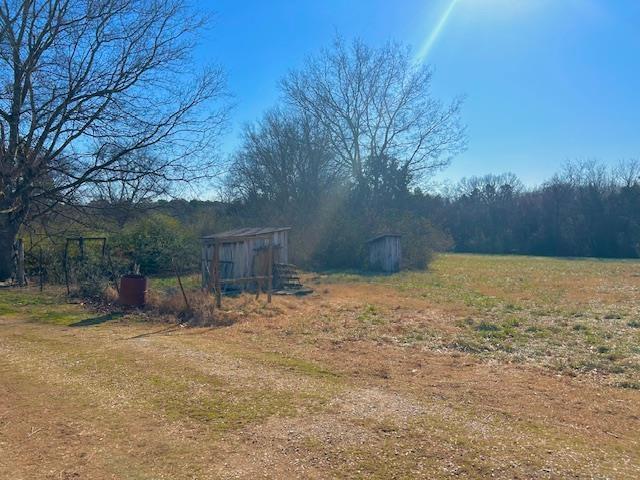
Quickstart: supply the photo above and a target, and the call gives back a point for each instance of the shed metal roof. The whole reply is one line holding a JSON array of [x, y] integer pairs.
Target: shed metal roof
[[383, 235], [238, 234]]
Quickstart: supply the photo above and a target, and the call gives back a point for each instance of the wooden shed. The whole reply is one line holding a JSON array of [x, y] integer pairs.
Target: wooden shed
[[242, 252], [385, 253]]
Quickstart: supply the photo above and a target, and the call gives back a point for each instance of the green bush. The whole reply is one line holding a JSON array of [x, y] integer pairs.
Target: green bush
[[336, 238], [420, 239], [154, 242], [335, 242], [91, 279]]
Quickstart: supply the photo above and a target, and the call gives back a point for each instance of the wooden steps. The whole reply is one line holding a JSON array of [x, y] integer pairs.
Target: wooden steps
[[286, 277]]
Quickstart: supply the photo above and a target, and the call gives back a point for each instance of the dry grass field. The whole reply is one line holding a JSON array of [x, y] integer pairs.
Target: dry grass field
[[482, 367]]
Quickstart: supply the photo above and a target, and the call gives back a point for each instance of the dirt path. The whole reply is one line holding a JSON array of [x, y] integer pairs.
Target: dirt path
[[254, 400]]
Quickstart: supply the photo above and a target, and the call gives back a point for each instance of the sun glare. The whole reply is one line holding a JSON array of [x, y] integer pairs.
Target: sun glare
[[435, 33]]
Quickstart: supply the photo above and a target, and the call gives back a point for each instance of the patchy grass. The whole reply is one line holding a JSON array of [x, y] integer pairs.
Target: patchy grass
[[291, 364], [217, 404], [47, 307], [481, 367], [170, 283], [574, 315]]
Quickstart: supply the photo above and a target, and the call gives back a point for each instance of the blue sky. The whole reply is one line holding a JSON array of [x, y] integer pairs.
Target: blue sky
[[546, 80]]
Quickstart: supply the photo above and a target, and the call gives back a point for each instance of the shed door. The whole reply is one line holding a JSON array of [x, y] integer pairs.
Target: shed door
[[261, 261]]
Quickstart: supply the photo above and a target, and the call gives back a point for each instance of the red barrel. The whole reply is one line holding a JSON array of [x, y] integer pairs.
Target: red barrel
[[133, 289]]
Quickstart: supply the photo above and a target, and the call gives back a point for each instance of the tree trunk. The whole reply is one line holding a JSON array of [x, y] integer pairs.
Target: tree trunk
[[9, 227]]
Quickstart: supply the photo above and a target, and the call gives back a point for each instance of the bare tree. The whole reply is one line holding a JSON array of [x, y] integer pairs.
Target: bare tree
[[587, 173], [83, 85], [627, 173], [132, 185], [489, 188], [377, 104], [284, 158]]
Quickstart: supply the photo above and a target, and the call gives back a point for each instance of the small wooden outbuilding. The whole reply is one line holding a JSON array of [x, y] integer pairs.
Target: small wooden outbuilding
[[385, 253], [243, 252]]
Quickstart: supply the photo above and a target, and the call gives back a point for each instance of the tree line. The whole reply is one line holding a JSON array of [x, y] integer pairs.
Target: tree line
[[586, 209]]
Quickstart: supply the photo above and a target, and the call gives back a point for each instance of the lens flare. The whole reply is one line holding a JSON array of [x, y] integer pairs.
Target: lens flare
[[431, 39]]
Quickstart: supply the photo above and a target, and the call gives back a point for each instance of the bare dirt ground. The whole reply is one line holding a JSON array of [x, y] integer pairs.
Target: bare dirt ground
[[473, 370]]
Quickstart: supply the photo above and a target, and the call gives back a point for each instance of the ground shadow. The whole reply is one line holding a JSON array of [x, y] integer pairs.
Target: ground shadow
[[184, 329], [169, 329], [97, 320]]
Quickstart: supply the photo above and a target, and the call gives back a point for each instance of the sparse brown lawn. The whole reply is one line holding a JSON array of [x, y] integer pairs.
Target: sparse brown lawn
[[484, 367]]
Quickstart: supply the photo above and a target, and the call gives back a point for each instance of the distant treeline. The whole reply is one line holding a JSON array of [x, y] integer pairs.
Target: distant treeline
[[585, 210]]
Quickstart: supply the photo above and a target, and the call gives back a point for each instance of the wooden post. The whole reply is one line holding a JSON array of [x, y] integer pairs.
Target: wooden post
[[184, 295], [210, 269], [81, 245], [216, 270], [270, 270], [66, 266], [114, 277], [257, 271], [41, 271], [20, 276], [204, 284]]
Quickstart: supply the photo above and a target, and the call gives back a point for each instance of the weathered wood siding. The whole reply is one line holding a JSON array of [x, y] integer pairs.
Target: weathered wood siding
[[241, 254], [385, 254]]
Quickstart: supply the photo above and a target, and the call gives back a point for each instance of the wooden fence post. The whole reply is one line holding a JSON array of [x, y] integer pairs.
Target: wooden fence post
[[210, 269], [184, 295], [66, 265], [270, 270], [20, 276], [216, 269], [41, 270]]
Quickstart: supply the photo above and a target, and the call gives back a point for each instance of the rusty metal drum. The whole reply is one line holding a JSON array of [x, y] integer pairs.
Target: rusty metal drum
[[133, 290]]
